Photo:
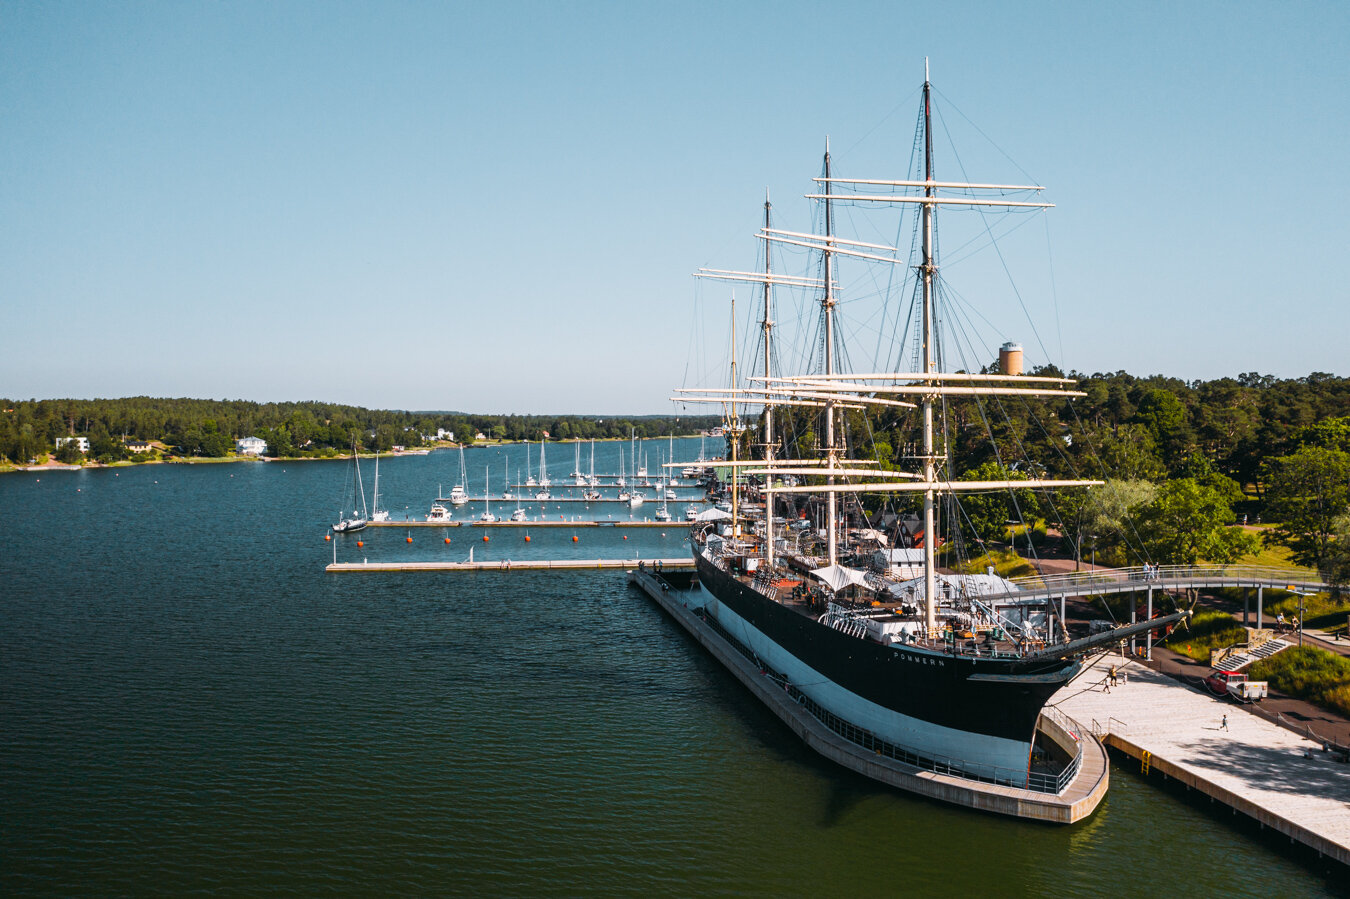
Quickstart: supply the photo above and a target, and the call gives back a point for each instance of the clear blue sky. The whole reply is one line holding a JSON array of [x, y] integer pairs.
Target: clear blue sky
[[497, 206]]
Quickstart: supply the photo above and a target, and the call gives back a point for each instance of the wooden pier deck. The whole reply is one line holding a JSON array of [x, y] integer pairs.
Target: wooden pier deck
[[513, 565], [1272, 775], [647, 501], [542, 523]]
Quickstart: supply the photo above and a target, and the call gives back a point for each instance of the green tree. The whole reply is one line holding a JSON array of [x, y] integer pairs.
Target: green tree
[[1306, 492], [989, 513], [69, 453], [1188, 521], [1106, 517], [1164, 416], [1130, 453], [1335, 565], [1199, 469], [1330, 433]]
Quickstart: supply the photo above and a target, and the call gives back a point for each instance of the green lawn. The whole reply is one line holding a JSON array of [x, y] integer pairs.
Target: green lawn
[[1208, 630]]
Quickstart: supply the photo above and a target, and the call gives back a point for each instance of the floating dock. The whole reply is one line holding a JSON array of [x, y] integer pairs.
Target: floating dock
[[1272, 775], [513, 565], [1079, 799], [541, 523]]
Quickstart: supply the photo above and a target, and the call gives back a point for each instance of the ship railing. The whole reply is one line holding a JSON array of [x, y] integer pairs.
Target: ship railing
[[1035, 781], [1074, 731]]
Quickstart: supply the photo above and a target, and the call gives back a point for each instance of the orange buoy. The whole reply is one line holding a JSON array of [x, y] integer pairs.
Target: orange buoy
[[625, 536], [527, 538], [485, 538], [327, 537], [410, 539], [360, 543], [574, 538], [447, 539]]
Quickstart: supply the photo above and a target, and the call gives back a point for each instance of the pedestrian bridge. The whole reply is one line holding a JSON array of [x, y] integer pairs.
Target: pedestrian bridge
[[1166, 578], [1148, 579]]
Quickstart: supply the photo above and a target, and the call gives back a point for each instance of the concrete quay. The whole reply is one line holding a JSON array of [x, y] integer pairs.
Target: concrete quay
[[1275, 777]]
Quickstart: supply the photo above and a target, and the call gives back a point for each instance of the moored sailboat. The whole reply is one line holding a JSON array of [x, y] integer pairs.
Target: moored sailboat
[[360, 514]]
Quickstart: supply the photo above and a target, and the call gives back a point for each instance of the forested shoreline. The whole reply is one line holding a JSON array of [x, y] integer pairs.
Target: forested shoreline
[[195, 428]]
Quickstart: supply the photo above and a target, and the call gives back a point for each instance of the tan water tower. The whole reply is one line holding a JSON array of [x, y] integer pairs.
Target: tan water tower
[[1010, 358]]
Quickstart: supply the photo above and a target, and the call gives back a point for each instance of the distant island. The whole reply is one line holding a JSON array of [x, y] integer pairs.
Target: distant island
[[142, 429]]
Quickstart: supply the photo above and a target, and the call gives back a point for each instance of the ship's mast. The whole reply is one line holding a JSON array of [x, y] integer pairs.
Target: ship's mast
[[827, 305], [768, 373], [928, 269], [733, 425]]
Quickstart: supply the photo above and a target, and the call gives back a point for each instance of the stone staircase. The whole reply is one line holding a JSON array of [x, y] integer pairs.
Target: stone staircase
[[1241, 657]]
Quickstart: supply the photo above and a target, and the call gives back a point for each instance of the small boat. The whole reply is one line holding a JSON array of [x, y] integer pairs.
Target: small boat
[[360, 515], [458, 495], [519, 514], [543, 494], [438, 513], [624, 496], [578, 479], [591, 496], [376, 513], [636, 499], [691, 513], [487, 517], [663, 514]]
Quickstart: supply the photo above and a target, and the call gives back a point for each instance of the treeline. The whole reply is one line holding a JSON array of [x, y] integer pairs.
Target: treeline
[[1182, 460], [209, 428]]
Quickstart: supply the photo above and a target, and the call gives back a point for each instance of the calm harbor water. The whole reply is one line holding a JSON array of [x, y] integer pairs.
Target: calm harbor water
[[189, 703]]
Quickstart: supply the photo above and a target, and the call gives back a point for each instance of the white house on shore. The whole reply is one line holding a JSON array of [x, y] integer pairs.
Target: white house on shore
[[81, 442], [250, 446]]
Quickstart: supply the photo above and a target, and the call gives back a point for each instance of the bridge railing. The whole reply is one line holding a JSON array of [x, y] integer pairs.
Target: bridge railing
[[1115, 580]]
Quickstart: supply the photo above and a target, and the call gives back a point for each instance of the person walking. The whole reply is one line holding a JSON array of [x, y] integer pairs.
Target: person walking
[[1114, 682], [1223, 725]]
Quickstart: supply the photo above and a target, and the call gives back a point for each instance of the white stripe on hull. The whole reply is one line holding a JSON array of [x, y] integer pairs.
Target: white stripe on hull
[[978, 754]]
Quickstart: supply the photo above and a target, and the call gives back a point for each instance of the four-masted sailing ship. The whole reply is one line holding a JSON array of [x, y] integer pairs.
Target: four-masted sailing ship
[[948, 670]]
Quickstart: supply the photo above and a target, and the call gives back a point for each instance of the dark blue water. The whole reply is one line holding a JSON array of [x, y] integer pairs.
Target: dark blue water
[[188, 703]]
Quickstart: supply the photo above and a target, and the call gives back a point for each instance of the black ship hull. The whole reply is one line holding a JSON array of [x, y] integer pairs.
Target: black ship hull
[[979, 713]]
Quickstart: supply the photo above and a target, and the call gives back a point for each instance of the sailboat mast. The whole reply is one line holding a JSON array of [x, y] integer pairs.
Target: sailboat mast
[[928, 270], [768, 373], [827, 304], [360, 488], [732, 425]]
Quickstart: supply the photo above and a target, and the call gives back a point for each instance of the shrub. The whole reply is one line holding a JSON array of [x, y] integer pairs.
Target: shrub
[[1006, 564], [1306, 672]]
